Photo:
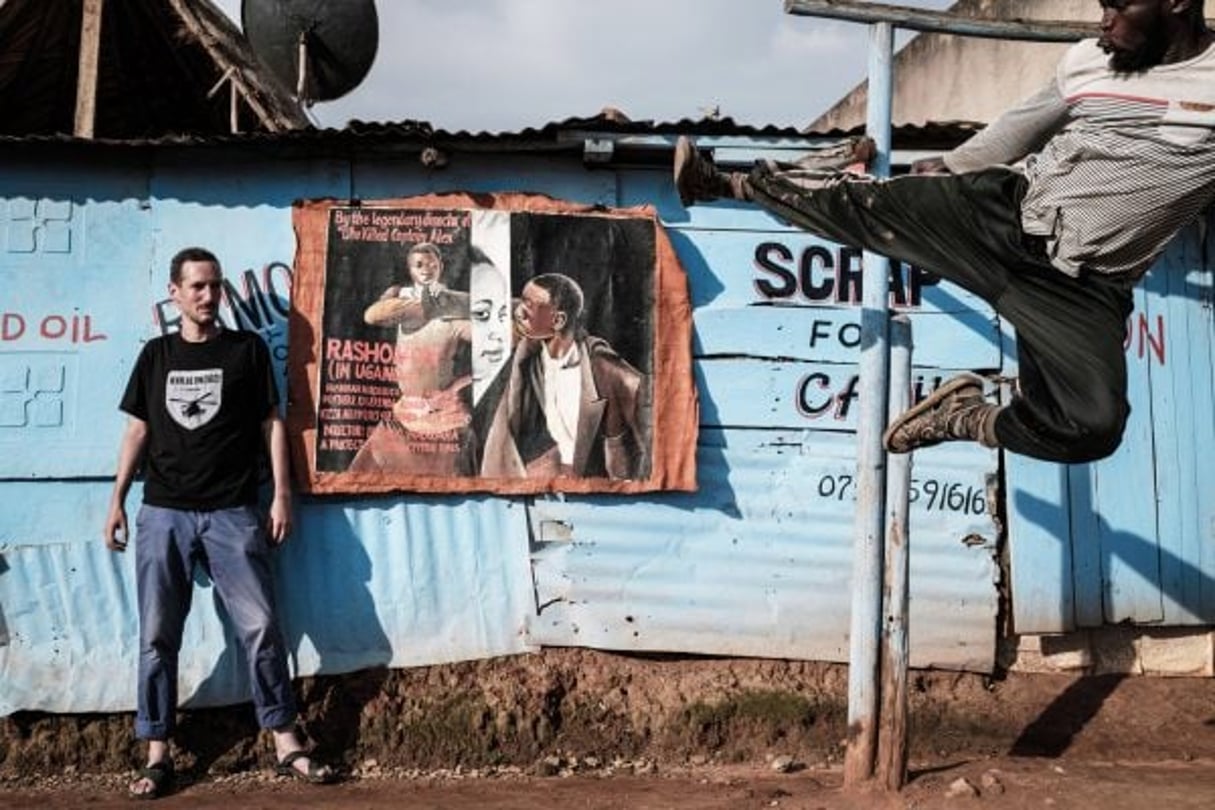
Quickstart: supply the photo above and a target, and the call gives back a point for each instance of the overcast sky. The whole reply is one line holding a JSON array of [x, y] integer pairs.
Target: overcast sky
[[509, 64]]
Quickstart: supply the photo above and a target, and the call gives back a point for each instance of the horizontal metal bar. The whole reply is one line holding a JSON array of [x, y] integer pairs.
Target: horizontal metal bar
[[918, 19]]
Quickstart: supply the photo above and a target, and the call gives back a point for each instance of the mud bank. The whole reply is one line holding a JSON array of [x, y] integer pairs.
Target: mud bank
[[585, 703]]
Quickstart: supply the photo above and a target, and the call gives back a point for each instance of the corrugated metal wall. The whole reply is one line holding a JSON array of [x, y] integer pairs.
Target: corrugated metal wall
[[758, 562], [755, 563]]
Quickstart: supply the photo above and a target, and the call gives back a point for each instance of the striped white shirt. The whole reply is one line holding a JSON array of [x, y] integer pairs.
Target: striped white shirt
[[1123, 161]]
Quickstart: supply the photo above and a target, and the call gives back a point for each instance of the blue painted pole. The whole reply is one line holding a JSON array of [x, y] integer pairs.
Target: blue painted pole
[[866, 618], [892, 718]]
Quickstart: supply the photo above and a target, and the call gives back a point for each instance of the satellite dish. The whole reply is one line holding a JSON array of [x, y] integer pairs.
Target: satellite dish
[[320, 48]]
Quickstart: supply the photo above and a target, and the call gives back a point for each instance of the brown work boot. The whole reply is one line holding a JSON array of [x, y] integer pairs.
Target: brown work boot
[[697, 178], [955, 411]]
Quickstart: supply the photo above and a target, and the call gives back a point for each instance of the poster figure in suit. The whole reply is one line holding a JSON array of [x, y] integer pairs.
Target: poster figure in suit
[[427, 431], [570, 405]]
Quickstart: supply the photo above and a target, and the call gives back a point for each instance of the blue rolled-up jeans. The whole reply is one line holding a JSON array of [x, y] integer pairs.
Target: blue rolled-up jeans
[[232, 546]]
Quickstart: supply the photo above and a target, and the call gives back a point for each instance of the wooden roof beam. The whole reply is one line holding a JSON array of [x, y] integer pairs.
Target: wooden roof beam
[[86, 73]]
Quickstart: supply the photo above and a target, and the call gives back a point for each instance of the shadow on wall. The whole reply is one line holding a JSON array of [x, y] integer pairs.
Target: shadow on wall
[[3, 624], [1142, 555], [714, 493]]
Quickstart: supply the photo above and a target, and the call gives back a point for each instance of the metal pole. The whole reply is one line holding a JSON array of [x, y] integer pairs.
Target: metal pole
[[864, 689], [866, 620], [892, 737]]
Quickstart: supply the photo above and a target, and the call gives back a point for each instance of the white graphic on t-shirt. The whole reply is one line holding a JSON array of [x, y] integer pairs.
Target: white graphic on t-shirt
[[193, 397]]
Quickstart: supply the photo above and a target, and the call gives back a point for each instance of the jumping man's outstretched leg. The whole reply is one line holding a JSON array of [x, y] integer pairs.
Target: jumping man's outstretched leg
[[929, 221], [697, 178]]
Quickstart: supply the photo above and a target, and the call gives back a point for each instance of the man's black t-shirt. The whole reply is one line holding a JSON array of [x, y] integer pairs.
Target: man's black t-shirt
[[204, 404]]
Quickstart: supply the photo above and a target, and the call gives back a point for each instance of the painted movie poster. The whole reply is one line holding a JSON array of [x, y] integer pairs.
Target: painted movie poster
[[484, 348]]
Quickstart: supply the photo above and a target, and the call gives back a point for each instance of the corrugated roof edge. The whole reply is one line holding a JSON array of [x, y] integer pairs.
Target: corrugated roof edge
[[911, 136]]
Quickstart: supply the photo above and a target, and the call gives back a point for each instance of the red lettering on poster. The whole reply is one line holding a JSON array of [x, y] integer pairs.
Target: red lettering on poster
[[359, 351]]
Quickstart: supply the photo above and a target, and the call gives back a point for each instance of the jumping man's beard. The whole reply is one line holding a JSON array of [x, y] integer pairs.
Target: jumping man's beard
[[1148, 55]]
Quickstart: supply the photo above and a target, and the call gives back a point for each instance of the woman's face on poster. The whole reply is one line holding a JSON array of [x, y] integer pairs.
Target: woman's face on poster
[[489, 312]]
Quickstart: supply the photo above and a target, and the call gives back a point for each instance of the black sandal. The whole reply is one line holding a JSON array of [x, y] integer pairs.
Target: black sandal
[[162, 777], [318, 773]]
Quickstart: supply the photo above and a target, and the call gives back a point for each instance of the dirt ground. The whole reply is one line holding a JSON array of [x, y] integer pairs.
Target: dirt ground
[[586, 729], [1004, 783]]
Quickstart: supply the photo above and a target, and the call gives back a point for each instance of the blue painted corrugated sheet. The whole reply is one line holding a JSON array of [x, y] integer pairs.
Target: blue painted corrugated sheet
[[391, 582], [756, 563], [1132, 537]]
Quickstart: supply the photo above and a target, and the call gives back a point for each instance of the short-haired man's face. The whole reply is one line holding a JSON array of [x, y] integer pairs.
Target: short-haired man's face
[[1134, 33], [535, 316], [198, 294], [424, 267]]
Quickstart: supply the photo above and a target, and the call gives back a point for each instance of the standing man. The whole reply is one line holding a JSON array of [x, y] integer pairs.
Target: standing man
[[202, 404], [572, 405], [1121, 155]]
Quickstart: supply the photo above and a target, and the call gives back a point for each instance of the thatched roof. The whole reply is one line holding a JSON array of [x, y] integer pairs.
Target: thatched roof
[[164, 67]]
